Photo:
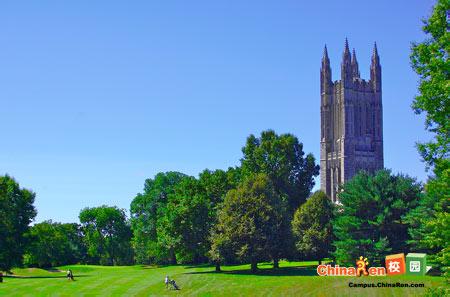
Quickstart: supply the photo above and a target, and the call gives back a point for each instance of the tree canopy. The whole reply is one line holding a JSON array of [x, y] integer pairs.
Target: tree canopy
[[282, 159], [249, 220], [145, 210], [106, 235], [371, 218], [312, 227], [54, 244], [430, 61], [183, 227], [171, 220], [430, 221], [16, 213]]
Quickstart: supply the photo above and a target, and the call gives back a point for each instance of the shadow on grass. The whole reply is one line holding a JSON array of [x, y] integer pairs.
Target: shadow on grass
[[42, 276], [206, 265], [155, 266], [284, 271], [52, 269]]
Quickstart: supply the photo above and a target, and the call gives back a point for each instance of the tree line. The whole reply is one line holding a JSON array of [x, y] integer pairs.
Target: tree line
[[262, 210]]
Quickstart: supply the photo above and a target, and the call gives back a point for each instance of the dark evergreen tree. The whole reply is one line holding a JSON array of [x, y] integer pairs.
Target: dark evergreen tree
[[430, 221], [371, 218]]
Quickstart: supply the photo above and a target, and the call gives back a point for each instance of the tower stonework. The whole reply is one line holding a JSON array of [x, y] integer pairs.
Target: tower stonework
[[351, 137]]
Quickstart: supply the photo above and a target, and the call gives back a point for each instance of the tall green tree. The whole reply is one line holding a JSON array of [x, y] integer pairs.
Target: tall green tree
[[430, 60], [437, 228], [107, 235], [172, 219], [54, 244], [282, 159], [312, 227], [216, 184], [249, 220], [430, 222], [220, 250], [184, 226], [145, 210], [16, 213], [371, 220]]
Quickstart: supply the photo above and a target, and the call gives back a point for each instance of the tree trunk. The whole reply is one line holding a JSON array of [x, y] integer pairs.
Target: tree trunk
[[254, 266], [276, 263], [111, 250], [173, 257], [217, 267]]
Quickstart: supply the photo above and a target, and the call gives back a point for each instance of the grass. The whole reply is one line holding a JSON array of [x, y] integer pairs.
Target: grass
[[292, 279]]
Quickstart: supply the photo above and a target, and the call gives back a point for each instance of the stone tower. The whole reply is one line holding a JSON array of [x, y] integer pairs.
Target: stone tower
[[351, 137]]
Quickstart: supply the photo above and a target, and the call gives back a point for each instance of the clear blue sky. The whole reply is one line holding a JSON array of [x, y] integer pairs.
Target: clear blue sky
[[96, 96]]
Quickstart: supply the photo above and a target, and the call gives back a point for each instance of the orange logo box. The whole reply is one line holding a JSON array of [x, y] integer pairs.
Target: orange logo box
[[395, 264]]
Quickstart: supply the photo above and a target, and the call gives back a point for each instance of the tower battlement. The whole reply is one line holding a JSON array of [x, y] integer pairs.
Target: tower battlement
[[351, 121]]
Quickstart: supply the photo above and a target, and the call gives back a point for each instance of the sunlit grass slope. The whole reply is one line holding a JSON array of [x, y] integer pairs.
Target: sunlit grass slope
[[292, 279]]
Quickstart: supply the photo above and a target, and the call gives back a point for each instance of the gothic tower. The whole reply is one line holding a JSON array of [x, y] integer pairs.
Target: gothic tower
[[351, 137]]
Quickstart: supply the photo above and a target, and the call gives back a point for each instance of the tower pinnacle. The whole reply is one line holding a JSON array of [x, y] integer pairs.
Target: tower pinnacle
[[346, 68], [325, 72], [375, 69], [375, 57], [325, 53], [355, 68], [375, 50], [346, 54], [354, 56]]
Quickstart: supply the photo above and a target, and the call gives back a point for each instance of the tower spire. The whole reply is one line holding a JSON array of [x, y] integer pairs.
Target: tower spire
[[325, 72], [346, 68], [346, 54], [325, 54], [325, 59], [375, 50], [354, 56], [375, 57], [355, 68], [375, 69]]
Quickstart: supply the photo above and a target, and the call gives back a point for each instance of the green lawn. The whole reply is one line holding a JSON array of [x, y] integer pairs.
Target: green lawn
[[292, 279]]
